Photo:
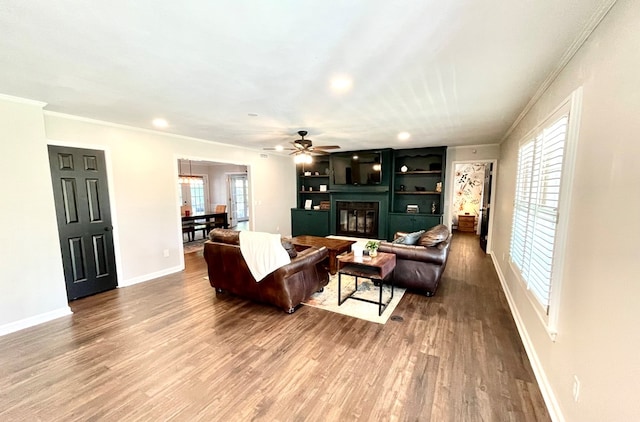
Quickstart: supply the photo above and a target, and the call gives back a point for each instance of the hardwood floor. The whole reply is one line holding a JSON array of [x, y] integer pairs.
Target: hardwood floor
[[169, 349]]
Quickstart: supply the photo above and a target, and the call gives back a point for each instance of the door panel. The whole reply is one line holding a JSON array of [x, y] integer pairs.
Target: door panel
[[238, 188], [81, 197], [486, 206]]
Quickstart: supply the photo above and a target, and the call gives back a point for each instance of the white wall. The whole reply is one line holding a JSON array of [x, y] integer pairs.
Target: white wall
[[142, 168], [32, 287], [598, 337]]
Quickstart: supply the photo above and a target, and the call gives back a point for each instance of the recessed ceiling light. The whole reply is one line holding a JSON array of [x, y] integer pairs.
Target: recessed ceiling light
[[160, 123], [403, 136], [279, 148], [341, 83]]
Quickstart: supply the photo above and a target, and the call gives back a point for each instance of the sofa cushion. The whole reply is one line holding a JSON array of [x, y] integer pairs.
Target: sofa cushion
[[288, 246], [409, 238], [434, 235], [228, 236]]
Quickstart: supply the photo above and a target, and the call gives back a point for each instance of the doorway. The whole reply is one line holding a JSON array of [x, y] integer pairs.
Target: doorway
[[471, 198], [83, 213], [238, 188], [204, 186]]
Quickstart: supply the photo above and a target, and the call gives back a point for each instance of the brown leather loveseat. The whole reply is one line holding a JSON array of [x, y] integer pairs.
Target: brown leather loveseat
[[420, 264], [285, 287]]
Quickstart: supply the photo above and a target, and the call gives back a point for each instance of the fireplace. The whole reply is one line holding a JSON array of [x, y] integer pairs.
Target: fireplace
[[359, 219]]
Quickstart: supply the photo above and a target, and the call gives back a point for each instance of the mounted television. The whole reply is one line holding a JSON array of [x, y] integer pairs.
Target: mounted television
[[357, 168]]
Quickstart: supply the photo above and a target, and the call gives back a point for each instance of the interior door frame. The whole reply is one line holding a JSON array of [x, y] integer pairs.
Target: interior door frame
[[492, 198], [176, 171], [230, 203], [112, 200]]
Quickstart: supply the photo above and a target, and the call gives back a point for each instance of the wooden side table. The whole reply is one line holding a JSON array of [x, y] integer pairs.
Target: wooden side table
[[466, 223], [377, 269]]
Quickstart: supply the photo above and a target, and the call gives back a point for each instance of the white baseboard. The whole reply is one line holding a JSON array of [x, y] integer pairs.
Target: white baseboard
[[543, 382], [147, 277], [48, 316], [34, 320]]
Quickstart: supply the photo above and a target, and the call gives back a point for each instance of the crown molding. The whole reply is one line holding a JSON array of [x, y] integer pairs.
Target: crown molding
[[579, 41], [21, 100], [474, 146], [142, 130]]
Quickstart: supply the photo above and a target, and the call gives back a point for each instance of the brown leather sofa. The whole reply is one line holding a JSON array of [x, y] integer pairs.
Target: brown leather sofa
[[419, 267], [285, 287]]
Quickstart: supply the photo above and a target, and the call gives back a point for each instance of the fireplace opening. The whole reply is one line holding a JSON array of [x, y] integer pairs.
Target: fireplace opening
[[359, 219]]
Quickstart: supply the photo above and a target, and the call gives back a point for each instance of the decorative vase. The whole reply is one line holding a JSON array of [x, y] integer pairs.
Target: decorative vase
[[373, 253]]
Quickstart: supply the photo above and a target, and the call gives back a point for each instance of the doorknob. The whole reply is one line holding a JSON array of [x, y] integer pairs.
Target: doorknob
[[108, 228]]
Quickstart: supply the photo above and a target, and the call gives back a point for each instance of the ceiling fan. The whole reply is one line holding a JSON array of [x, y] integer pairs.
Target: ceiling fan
[[305, 146]]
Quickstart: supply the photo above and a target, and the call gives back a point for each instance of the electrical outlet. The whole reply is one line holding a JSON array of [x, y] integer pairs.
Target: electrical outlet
[[166, 253], [576, 388]]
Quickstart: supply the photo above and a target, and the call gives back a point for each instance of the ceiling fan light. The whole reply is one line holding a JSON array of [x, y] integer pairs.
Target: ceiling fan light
[[160, 123], [403, 136]]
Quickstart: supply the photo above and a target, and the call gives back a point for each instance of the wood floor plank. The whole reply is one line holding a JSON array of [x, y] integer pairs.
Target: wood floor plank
[[171, 349]]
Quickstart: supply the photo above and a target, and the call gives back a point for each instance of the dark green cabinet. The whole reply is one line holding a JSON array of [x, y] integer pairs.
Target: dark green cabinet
[[411, 179], [404, 222], [309, 222], [417, 186]]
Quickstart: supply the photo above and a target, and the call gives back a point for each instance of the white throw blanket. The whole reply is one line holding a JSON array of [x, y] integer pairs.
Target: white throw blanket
[[263, 253]]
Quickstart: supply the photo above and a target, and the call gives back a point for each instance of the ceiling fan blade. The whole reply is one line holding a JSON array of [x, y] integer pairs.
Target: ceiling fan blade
[[327, 147], [278, 149]]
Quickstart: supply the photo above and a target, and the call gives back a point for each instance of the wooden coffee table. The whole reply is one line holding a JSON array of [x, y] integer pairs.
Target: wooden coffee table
[[377, 269], [335, 247]]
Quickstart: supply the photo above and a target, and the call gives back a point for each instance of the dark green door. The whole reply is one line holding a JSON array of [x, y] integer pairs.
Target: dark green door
[[81, 197]]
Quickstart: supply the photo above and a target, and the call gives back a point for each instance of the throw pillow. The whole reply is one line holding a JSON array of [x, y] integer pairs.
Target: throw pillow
[[412, 238], [288, 246], [434, 235], [409, 238], [399, 240]]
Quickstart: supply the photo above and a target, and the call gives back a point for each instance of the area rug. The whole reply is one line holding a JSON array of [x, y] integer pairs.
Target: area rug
[[328, 299]]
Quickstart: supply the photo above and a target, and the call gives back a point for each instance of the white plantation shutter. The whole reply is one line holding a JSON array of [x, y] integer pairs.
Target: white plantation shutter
[[537, 199]]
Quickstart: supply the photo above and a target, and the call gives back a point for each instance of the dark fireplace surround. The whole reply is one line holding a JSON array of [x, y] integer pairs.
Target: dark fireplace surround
[[357, 218]]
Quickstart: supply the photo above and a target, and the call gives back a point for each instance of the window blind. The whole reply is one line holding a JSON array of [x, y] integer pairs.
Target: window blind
[[537, 198]]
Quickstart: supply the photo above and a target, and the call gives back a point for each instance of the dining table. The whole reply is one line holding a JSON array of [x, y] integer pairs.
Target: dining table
[[204, 222]]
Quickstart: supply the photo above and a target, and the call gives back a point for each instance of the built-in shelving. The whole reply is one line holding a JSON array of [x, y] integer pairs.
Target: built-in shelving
[[421, 185], [418, 183]]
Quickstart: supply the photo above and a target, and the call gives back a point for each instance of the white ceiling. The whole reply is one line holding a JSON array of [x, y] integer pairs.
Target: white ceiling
[[450, 72]]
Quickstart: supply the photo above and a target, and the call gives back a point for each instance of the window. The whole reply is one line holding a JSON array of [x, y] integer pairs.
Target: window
[[196, 189], [543, 180], [192, 192]]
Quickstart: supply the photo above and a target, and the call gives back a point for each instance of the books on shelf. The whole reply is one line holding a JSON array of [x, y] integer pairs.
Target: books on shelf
[[412, 209]]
